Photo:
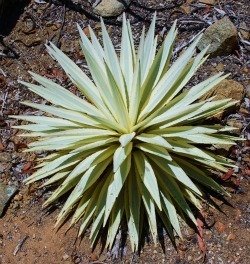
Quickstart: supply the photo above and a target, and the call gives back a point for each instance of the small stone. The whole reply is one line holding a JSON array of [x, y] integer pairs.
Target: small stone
[[56, 26], [86, 31], [18, 197], [97, 26], [110, 8], [94, 257], [220, 67], [231, 236], [77, 260], [1, 146], [186, 8], [5, 157], [69, 46], [6, 193], [246, 70], [221, 36], [208, 2], [33, 42], [220, 227], [2, 167], [208, 234], [16, 205], [235, 123], [246, 159], [31, 189], [26, 166], [65, 257], [244, 31], [226, 89], [244, 111], [102, 258], [189, 233], [182, 247]]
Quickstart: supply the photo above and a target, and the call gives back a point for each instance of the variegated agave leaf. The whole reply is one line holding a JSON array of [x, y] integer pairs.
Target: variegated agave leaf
[[135, 146]]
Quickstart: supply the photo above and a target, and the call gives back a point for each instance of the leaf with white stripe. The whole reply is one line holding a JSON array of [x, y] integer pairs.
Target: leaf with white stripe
[[147, 175]]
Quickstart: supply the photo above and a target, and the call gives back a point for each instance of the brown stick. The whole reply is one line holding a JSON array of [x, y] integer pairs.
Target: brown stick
[[19, 245]]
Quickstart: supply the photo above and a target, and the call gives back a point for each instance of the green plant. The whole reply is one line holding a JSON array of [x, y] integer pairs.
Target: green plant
[[131, 147]]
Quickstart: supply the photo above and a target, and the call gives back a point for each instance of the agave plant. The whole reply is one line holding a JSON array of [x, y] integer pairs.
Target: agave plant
[[133, 147]]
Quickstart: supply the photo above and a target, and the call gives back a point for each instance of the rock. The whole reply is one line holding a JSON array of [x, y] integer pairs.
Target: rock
[[235, 123], [86, 31], [220, 227], [231, 236], [3, 167], [65, 257], [110, 8], [15, 205], [6, 193], [223, 149], [18, 197], [244, 31], [247, 172], [226, 89], [220, 67], [221, 36], [70, 46], [208, 2], [93, 257], [5, 157], [186, 8], [1, 146], [248, 91], [77, 260], [244, 111]]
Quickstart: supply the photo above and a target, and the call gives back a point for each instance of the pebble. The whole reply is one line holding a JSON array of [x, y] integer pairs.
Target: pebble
[[77, 260], [65, 257], [244, 31], [6, 193], [231, 236], [56, 26], [1, 146], [235, 123], [248, 90], [220, 227], [16, 205], [226, 89], [186, 8], [109, 8], [18, 197], [222, 36], [208, 2], [93, 257], [5, 157]]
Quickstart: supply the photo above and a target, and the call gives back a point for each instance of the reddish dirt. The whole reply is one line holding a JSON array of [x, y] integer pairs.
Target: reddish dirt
[[226, 234], [227, 240]]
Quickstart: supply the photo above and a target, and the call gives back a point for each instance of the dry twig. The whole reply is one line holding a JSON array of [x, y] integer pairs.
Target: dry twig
[[19, 245]]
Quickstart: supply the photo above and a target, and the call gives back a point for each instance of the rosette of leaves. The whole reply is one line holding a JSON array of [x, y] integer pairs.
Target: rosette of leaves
[[133, 147]]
